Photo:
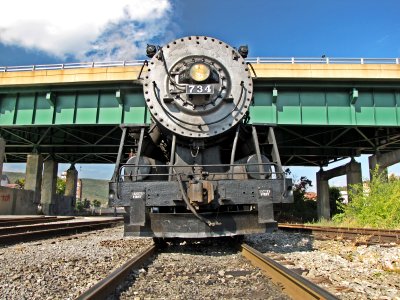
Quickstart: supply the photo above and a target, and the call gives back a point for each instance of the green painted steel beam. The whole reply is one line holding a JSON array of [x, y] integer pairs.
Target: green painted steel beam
[[280, 103], [333, 107], [73, 107]]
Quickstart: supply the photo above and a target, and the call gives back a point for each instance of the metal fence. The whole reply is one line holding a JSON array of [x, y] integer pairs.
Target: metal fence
[[254, 60]]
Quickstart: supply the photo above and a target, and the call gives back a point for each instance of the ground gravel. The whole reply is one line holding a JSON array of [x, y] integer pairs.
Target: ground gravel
[[199, 271], [348, 270], [63, 268]]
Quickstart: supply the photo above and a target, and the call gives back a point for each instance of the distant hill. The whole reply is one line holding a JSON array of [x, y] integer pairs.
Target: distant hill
[[13, 176], [92, 188], [95, 189]]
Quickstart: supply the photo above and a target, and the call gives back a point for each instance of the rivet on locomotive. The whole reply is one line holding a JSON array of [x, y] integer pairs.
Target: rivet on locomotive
[[201, 169]]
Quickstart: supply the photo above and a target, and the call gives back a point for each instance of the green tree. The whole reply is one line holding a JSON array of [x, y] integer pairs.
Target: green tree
[[20, 182], [60, 186], [86, 203], [335, 201], [96, 203], [302, 209], [79, 206]]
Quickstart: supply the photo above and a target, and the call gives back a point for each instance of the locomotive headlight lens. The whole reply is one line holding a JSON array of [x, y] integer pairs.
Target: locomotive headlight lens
[[111, 196], [199, 72]]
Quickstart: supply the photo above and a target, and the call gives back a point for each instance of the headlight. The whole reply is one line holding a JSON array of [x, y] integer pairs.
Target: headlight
[[199, 72], [111, 195]]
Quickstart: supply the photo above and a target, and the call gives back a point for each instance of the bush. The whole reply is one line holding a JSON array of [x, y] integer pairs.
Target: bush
[[86, 203], [60, 186], [302, 209], [20, 182], [79, 206], [96, 203], [378, 206], [335, 201]]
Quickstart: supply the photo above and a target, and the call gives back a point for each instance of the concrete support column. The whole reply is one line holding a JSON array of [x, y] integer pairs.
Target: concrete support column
[[49, 186], [71, 184], [33, 174], [382, 162], [353, 175], [323, 208], [2, 154]]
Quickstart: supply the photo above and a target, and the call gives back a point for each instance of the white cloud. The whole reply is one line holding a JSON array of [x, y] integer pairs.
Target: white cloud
[[86, 29]]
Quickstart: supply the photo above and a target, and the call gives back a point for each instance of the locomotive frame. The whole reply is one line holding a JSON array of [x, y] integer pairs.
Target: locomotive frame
[[199, 170]]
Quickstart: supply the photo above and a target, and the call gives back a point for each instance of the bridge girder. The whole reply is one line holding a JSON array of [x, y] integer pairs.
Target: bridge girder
[[321, 113]]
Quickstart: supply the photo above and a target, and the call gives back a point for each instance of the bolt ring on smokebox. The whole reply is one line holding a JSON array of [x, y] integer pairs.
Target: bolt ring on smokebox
[[197, 115]]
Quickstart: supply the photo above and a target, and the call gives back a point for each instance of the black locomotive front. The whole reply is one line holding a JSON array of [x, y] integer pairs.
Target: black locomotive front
[[199, 170]]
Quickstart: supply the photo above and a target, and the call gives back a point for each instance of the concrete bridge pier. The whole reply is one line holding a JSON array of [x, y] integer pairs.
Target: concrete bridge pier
[[383, 161], [353, 175], [49, 186], [71, 183], [323, 209], [352, 170], [33, 174], [2, 154]]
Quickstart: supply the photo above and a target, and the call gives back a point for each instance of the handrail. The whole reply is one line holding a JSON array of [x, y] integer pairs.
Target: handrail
[[253, 60], [322, 60], [210, 174], [66, 66]]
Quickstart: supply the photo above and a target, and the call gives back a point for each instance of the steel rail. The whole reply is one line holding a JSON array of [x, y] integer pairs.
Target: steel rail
[[6, 219], [34, 220], [292, 283], [30, 232], [106, 286], [366, 235], [61, 224]]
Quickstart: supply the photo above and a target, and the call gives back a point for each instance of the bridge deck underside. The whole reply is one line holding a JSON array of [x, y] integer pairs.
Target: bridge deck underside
[[298, 145]]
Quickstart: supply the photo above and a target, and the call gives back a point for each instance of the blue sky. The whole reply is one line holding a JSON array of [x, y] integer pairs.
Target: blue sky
[[52, 32]]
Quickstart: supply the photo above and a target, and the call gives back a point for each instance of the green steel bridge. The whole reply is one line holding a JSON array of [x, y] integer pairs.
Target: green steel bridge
[[323, 109]]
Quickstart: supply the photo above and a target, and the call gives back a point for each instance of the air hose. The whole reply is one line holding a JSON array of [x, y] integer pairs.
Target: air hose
[[192, 209]]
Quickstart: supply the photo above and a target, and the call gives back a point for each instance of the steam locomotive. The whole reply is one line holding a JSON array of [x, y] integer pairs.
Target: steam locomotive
[[200, 169]]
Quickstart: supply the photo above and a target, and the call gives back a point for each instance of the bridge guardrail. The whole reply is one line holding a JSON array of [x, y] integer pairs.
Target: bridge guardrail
[[322, 60], [253, 60]]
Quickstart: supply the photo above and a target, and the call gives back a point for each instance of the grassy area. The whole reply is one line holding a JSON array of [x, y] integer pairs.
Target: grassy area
[[92, 188], [375, 205]]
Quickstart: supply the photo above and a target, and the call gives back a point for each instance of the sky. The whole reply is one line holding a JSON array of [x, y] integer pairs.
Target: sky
[[48, 31]]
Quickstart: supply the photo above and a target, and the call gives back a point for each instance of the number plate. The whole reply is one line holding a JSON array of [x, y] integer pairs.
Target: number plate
[[199, 89]]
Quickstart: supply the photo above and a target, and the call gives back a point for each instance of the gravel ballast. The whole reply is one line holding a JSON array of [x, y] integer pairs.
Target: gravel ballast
[[63, 268], [345, 269], [199, 271]]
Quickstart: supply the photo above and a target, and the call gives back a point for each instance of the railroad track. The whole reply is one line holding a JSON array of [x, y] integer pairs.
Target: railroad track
[[7, 222], [360, 235], [292, 284], [107, 285], [22, 233]]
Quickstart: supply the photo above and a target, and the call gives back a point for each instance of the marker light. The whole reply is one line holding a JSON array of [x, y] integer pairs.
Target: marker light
[[199, 72], [151, 50]]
